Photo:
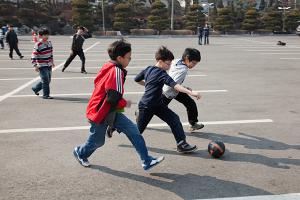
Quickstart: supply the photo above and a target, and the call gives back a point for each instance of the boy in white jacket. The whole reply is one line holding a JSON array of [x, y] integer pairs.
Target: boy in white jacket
[[178, 71]]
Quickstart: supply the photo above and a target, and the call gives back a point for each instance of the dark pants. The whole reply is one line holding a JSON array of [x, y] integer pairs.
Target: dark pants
[[188, 103], [199, 39], [165, 114], [45, 74], [2, 43], [206, 40], [14, 47], [80, 53]]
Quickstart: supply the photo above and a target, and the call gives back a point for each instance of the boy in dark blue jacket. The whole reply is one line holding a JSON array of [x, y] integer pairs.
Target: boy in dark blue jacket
[[154, 78]]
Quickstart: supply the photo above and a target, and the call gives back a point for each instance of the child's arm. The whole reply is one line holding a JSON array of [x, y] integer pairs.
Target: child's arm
[[34, 57], [140, 78], [182, 89]]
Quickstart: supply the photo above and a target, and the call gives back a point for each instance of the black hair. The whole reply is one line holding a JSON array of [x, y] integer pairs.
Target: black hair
[[164, 54], [191, 54], [80, 27], [44, 32], [118, 48]]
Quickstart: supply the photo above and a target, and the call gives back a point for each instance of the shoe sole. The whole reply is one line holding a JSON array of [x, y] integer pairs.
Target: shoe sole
[[191, 130], [77, 158], [163, 158], [189, 151]]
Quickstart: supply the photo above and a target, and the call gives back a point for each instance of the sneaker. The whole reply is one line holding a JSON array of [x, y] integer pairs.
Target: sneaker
[[153, 162], [36, 93], [83, 72], [47, 97], [195, 127], [21, 57], [109, 131], [83, 161], [184, 147]]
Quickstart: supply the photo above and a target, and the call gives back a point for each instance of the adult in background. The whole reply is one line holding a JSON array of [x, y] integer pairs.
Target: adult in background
[[206, 34], [200, 34], [12, 40], [78, 40]]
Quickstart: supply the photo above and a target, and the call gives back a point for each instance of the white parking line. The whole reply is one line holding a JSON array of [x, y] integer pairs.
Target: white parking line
[[281, 53], [150, 126], [289, 58], [89, 94], [9, 94], [291, 196], [82, 77]]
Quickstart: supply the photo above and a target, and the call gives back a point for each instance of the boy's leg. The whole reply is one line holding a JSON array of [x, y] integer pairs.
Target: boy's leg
[[172, 119], [82, 58], [95, 140], [166, 100], [37, 87], [11, 51], [69, 60], [18, 51], [190, 106], [126, 126], [45, 79], [143, 119], [2, 44]]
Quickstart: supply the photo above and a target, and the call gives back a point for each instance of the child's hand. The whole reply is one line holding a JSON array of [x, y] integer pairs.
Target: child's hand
[[128, 104], [36, 69], [196, 94]]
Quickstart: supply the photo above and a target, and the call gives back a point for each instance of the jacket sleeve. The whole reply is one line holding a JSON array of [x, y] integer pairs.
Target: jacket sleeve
[[114, 89], [87, 35], [35, 54]]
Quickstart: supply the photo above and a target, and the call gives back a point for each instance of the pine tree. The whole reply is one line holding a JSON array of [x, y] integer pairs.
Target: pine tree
[[250, 22], [81, 11], [158, 18], [224, 21], [194, 18], [122, 20], [272, 20]]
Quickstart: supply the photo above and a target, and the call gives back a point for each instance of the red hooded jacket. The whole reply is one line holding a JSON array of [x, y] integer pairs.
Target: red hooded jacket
[[111, 77]]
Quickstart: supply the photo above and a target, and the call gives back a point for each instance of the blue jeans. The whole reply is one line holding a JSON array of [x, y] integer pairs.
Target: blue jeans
[[96, 138], [45, 74]]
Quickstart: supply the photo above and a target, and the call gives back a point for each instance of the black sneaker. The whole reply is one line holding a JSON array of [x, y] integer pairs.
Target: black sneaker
[[184, 147], [195, 127], [83, 161], [21, 57], [83, 72], [47, 97], [109, 131], [36, 93]]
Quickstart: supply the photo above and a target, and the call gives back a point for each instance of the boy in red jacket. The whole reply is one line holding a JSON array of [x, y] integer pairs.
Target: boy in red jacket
[[102, 108]]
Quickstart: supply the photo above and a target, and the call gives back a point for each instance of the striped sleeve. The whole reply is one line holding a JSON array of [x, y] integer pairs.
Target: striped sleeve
[[114, 81]]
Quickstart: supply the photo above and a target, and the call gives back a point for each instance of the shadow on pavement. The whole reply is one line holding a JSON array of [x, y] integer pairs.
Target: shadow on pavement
[[189, 186]]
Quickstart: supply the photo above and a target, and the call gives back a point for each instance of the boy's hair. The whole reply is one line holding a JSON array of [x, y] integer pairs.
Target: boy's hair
[[191, 54], [164, 54], [118, 48], [80, 27], [43, 32]]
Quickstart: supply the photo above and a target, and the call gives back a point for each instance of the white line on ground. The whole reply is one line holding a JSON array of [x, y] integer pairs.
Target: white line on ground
[[9, 94], [150, 126], [291, 196], [280, 53], [89, 94], [82, 77], [270, 50], [260, 47], [289, 58], [89, 55]]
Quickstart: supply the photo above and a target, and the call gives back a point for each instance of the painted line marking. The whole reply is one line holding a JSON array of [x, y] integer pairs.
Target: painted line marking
[[9, 94], [102, 60], [283, 53], [291, 196], [149, 125], [82, 77], [89, 94], [270, 50], [289, 58]]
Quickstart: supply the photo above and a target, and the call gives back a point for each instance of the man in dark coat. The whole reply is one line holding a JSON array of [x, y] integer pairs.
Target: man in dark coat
[[12, 40]]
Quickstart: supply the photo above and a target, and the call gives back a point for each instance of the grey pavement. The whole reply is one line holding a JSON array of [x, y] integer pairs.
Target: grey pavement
[[259, 82]]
